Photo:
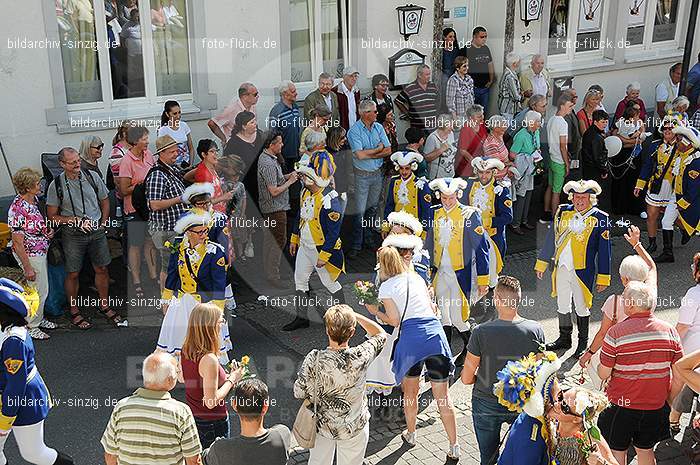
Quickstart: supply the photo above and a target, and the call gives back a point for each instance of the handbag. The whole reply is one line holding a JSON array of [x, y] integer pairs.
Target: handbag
[[592, 368], [306, 422], [55, 255], [398, 336], [693, 451]]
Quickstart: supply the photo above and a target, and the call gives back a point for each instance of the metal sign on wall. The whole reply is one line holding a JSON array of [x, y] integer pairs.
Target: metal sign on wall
[[403, 66]]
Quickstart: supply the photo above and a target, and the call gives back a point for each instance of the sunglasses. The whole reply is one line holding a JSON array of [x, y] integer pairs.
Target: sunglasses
[[566, 410], [199, 232], [254, 94], [98, 147]]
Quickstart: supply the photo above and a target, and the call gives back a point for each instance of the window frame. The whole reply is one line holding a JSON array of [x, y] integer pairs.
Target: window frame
[[571, 55], [647, 44], [106, 113]]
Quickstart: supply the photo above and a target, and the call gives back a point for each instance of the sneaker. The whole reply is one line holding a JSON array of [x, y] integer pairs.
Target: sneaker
[[38, 334], [546, 218], [46, 324], [643, 215], [409, 438], [454, 453]]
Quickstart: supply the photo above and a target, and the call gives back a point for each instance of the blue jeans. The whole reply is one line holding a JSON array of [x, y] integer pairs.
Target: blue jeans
[[368, 187], [481, 96], [488, 416], [209, 430]]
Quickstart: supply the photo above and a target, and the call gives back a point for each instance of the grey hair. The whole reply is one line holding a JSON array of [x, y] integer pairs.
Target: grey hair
[[421, 68], [634, 268], [536, 57], [314, 139], [444, 120], [536, 99], [244, 88], [532, 116], [85, 145], [474, 110], [634, 85], [323, 76], [497, 121], [158, 369], [639, 295], [680, 101], [284, 86], [512, 59], [65, 150], [366, 106]]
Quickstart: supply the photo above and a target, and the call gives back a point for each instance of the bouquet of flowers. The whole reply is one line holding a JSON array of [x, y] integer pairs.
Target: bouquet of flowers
[[245, 362], [366, 293]]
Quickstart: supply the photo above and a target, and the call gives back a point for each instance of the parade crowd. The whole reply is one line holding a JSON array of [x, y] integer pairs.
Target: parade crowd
[[438, 210]]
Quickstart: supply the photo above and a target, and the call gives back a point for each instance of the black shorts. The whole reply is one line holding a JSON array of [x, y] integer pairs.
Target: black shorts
[[641, 428], [437, 368]]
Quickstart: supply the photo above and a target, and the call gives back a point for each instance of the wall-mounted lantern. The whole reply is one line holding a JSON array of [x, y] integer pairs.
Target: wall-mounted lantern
[[410, 19], [530, 10]]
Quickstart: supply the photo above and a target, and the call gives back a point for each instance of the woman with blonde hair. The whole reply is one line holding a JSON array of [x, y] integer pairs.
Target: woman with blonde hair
[[206, 382], [91, 151], [421, 342]]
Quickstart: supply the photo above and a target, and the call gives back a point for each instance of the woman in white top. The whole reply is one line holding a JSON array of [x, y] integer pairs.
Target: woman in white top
[[633, 268], [688, 327], [421, 342], [440, 149], [171, 124]]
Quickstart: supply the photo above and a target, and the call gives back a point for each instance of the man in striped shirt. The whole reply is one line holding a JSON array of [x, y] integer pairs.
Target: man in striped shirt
[[637, 356], [150, 426], [420, 101]]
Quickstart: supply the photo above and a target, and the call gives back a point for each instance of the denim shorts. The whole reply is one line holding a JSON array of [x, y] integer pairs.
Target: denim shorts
[[77, 245], [210, 430]]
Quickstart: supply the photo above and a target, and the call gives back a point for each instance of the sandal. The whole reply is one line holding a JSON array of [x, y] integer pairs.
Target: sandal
[[675, 427], [111, 315], [46, 324], [138, 290], [77, 320], [38, 334]]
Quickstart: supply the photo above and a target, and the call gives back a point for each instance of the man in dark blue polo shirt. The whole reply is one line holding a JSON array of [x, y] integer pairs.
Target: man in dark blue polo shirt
[[370, 146], [285, 117]]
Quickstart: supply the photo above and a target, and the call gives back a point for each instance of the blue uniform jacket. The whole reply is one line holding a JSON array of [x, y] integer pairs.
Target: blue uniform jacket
[[525, 444], [420, 204], [207, 282], [25, 398], [688, 200]]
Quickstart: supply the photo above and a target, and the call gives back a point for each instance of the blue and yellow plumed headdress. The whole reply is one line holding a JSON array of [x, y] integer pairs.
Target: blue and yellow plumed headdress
[[320, 167], [524, 384], [23, 301], [672, 119]]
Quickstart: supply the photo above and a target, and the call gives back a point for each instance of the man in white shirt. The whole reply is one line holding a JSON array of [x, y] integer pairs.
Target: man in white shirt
[[535, 80], [558, 138], [348, 97], [667, 90]]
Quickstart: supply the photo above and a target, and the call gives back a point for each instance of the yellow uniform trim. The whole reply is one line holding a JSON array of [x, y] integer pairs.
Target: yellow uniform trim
[[603, 280], [683, 204], [641, 184], [482, 280], [6, 422], [294, 239], [541, 266], [167, 294], [324, 256]]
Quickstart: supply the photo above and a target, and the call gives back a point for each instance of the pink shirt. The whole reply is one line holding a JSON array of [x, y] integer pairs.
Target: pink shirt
[[132, 167], [227, 118], [496, 148]]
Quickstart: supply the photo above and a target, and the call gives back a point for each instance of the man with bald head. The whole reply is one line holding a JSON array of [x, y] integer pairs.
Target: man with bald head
[[125, 440], [222, 124]]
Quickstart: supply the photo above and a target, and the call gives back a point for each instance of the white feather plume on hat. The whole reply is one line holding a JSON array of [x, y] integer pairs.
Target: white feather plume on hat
[[483, 164], [404, 241], [198, 188], [192, 218], [406, 158], [406, 220], [534, 406], [448, 185], [582, 187], [690, 133]]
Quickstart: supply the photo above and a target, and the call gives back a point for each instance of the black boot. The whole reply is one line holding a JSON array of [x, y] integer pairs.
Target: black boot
[[651, 247], [63, 459], [448, 334], [565, 330], [667, 254], [301, 302], [582, 324], [459, 361], [685, 237]]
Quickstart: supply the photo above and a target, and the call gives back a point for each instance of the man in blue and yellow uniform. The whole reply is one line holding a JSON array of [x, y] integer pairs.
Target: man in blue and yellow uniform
[[25, 398], [316, 237], [406, 191], [688, 185], [493, 201], [457, 239], [660, 166], [578, 242]]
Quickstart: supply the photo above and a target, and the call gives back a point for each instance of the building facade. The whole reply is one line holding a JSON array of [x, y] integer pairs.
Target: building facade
[[64, 73]]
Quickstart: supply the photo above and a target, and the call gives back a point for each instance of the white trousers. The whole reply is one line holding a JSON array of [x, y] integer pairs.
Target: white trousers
[[347, 451], [493, 273], [41, 283], [449, 300], [568, 287], [30, 441], [305, 264], [670, 216]]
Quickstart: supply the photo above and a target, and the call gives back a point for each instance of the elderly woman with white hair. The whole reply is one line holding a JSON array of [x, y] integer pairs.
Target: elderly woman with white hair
[[525, 154], [680, 105], [510, 96], [495, 147], [440, 149], [91, 151], [632, 94], [639, 267]]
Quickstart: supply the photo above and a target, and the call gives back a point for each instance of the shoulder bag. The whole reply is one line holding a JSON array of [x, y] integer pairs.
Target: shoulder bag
[[398, 336], [306, 423]]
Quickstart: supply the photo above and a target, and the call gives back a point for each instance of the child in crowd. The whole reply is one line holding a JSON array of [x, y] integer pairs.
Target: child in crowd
[[230, 168]]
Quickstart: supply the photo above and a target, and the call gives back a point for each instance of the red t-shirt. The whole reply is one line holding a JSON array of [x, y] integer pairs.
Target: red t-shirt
[[194, 392], [640, 350], [202, 174], [471, 141]]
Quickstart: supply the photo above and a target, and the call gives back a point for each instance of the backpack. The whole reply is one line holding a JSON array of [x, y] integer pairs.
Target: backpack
[[138, 195], [86, 174]]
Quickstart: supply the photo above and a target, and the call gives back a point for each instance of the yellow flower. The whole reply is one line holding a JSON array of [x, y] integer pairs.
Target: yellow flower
[[245, 360], [167, 244]]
